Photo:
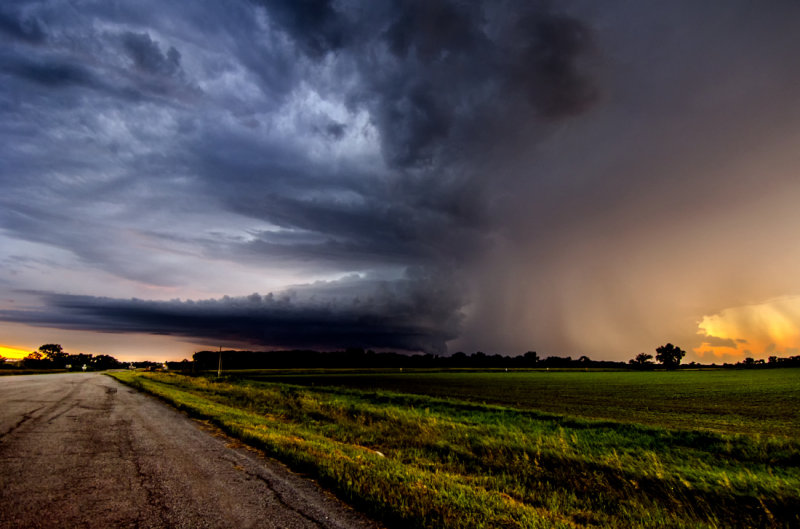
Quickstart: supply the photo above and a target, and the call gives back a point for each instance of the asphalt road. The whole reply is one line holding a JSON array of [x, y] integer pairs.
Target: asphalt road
[[83, 451]]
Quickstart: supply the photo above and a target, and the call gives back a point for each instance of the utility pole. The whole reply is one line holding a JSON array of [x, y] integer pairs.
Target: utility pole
[[219, 366]]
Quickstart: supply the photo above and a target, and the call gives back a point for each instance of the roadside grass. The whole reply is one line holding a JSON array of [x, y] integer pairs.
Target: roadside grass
[[417, 461]]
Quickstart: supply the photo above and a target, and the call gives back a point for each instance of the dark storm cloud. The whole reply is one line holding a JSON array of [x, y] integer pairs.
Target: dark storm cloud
[[456, 73], [431, 70], [334, 131], [440, 80], [427, 73], [153, 76], [148, 122], [528, 149], [147, 55], [429, 28], [362, 227], [315, 24], [547, 70], [18, 27], [51, 72], [415, 314]]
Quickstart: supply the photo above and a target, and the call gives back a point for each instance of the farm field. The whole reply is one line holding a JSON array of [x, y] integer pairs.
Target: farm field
[[764, 402], [527, 449]]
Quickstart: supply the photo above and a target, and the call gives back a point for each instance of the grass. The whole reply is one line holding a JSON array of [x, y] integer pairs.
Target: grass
[[762, 402], [423, 461]]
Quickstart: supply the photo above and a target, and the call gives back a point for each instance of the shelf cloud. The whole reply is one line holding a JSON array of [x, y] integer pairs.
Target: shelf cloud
[[501, 176]]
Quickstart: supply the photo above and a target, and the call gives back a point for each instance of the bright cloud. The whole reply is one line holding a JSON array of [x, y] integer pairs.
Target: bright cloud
[[764, 329]]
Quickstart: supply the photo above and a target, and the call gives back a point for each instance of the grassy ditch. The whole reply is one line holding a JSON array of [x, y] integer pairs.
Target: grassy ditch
[[416, 461]]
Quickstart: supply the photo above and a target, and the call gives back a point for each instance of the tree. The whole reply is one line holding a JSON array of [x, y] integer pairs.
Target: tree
[[102, 362], [52, 351], [77, 361], [35, 361], [670, 356], [641, 360]]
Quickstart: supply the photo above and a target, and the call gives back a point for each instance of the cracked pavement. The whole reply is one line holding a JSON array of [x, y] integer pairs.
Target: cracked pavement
[[82, 450]]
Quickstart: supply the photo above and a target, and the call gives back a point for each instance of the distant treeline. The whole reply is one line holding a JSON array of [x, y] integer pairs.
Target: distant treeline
[[360, 358], [772, 361], [52, 356]]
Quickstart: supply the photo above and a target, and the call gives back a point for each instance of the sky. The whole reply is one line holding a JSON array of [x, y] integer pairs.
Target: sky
[[573, 177]]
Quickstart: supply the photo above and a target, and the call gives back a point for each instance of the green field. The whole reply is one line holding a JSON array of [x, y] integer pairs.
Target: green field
[[765, 402], [528, 449]]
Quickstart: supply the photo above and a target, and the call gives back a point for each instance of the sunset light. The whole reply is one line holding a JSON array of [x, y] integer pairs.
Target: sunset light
[[757, 331], [13, 353]]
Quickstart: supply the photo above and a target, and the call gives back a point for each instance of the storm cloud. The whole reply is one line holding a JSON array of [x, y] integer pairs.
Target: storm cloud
[[530, 163], [416, 314]]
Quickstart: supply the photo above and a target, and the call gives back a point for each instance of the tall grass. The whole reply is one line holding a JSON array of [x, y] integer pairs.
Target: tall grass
[[417, 461]]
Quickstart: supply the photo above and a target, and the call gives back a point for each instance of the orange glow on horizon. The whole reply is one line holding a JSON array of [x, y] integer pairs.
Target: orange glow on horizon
[[767, 329], [14, 353]]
